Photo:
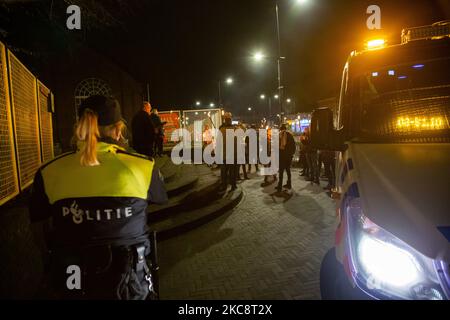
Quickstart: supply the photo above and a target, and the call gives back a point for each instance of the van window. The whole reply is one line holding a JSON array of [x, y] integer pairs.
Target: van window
[[411, 100]]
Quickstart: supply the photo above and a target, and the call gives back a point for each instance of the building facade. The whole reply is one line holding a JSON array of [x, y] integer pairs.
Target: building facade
[[84, 73]]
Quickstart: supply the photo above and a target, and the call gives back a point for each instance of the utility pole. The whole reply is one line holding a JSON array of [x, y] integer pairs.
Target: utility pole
[[220, 94], [280, 87]]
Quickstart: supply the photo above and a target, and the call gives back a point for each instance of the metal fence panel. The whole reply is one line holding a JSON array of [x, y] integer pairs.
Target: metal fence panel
[[26, 120], [9, 186], [46, 124]]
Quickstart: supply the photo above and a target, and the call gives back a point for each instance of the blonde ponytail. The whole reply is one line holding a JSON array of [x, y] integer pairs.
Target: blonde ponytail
[[87, 131]]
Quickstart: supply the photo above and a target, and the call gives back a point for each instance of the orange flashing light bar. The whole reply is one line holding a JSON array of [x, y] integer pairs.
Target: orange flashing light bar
[[420, 123], [376, 44]]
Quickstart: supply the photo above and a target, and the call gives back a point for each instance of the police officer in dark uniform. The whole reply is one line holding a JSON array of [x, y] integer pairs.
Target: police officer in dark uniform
[[228, 171], [97, 198], [143, 131]]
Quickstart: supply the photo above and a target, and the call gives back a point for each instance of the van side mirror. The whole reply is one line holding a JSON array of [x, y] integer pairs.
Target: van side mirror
[[323, 134]]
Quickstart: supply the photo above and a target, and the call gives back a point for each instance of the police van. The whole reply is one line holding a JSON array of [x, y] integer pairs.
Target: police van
[[392, 142]]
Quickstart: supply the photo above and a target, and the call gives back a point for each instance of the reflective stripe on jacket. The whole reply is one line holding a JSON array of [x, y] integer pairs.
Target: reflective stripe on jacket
[[99, 205]]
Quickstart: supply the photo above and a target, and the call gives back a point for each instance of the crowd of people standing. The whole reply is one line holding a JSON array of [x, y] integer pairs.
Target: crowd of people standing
[[311, 160]]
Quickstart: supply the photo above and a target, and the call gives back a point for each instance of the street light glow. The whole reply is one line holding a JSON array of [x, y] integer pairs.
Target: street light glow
[[302, 1], [258, 56], [288, 100], [197, 103], [211, 105], [263, 96], [229, 81], [249, 109], [276, 96]]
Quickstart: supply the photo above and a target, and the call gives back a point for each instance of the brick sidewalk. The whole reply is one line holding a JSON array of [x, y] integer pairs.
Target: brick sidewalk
[[263, 249]]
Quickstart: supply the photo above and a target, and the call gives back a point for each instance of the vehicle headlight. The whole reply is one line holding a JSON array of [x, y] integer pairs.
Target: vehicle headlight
[[386, 267], [386, 262]]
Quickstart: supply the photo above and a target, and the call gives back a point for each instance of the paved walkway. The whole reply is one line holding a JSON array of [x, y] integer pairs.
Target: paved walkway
[[263, 249]]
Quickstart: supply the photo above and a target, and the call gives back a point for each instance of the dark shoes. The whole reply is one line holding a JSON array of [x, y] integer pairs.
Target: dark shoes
[[287, 186]]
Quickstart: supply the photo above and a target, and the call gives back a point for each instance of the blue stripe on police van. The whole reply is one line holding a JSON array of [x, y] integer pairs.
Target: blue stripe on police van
[[445, 231]]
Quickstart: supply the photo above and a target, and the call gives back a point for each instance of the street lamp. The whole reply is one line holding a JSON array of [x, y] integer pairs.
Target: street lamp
[[212, 105], [229, 81], [258, 56], [292, 108], [250, 109], [197, 103], [276, 96], [263, 97], [280, 86]]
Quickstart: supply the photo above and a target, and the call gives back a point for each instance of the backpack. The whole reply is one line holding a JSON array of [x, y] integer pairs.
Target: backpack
[[290, 145]]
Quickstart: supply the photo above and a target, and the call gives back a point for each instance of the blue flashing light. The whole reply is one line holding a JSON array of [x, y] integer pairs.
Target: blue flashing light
[[402, 77], [418, 66], [391, 72]]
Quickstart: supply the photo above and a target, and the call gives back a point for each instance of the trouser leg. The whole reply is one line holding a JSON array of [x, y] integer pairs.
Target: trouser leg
[[281, 173], [309, 164], [314, 167], [245, 171], [233, 169], [160, 145], [223, 175], [288, 172]]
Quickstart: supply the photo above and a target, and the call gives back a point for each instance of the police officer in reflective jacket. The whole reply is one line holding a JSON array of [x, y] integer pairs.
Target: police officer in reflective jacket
[[97, 200]]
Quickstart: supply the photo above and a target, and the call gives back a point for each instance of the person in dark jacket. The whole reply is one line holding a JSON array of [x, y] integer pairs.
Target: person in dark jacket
[[228, 171], [287, 150], [143, 131], [97, 199], [329, 161], [311, 157], [302, 158], [159, 132]]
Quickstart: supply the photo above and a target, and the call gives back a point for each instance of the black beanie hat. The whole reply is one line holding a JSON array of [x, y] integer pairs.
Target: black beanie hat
[[107, 109]]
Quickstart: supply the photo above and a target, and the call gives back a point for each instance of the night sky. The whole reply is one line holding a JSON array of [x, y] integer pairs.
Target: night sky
[[184, 47]]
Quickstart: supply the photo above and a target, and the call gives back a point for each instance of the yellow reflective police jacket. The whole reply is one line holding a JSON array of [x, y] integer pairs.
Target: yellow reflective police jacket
[[99, 205]]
